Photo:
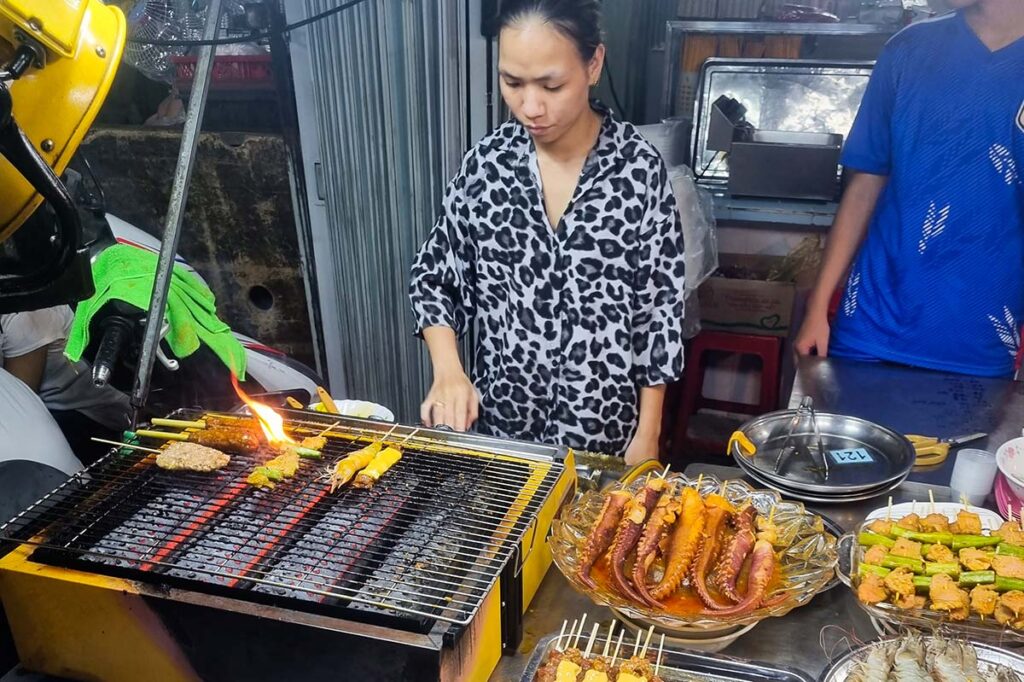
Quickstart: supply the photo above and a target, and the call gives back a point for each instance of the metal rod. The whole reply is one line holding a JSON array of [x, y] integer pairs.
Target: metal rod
[[175, 212]]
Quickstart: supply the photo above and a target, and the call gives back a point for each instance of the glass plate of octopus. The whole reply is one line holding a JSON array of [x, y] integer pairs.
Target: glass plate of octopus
[[693, 553]]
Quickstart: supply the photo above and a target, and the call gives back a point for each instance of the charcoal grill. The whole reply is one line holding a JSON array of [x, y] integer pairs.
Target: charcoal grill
[[424, 576]]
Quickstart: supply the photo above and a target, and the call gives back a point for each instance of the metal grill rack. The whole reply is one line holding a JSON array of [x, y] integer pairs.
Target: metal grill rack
[[428, 541]]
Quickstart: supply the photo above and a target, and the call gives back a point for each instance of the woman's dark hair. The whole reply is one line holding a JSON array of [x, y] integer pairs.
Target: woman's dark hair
[[577, 20]]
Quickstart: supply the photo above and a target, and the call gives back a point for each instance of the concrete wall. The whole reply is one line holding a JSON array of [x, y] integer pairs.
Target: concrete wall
[[238, 232]]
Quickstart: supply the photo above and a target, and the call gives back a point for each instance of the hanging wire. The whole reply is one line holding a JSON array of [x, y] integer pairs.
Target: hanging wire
[[254, 36]]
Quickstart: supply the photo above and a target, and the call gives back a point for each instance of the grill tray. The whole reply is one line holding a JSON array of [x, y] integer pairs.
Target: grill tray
[[425, 544]]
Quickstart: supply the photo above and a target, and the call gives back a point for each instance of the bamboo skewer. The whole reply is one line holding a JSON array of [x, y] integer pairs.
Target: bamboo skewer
[[608, 639], [561, 634], [590, 642], [647, 642], [636, 644], [165, 435], [178, 423], [888, 510], [931, 497], [332, 426], [126, 445], [618, 646], [661, 651], [576, 641]]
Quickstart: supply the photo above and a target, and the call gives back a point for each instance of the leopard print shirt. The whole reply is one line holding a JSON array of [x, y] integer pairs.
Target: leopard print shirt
[[569, 322]]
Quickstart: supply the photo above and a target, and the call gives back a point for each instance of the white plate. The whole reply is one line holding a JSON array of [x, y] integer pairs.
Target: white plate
[[990, 520], [361, 409]]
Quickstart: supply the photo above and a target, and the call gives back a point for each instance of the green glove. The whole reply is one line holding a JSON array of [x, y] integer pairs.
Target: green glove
[[126, 273]]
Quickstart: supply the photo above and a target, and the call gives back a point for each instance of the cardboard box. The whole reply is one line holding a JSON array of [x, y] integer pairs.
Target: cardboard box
[[749, 305]]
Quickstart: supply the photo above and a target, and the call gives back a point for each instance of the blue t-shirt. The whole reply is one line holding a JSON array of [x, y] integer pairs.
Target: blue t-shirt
[[939, 280]]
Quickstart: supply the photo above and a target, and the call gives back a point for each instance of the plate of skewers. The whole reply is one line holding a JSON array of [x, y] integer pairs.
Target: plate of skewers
[[689, 554], [633, 657], [954, 567]]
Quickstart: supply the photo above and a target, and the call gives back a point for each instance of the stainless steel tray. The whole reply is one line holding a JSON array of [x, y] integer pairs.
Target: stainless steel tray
[[683, 666], [886, 456], [988, 658], [821, 498]]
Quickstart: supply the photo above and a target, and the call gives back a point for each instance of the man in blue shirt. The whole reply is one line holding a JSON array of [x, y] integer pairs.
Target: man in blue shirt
[[935, 210]]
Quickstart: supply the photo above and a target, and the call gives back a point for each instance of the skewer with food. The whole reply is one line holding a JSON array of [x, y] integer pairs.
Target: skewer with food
[[367, 464], [567, 663], [226, 438], [288, 462], [180, 456], [952, 567], [681, 552]]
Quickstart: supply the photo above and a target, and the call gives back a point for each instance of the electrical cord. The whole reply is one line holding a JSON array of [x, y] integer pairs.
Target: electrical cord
[[254, 36]]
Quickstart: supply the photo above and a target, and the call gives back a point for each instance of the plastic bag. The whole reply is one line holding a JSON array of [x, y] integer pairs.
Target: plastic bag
[[699, 239], [698, 219]]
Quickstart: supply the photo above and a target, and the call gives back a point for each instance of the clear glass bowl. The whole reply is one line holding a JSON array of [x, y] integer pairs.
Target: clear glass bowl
[[806, 552], [975, 628]]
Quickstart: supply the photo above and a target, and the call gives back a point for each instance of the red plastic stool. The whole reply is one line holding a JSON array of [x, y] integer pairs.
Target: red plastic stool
[[691, 397]]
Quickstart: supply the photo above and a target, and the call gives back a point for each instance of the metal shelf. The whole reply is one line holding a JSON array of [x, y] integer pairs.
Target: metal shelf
[[769, 213], [778, 28]]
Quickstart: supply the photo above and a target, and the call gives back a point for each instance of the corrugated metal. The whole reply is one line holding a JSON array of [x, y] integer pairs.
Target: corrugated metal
[[390, 89], [632, 30]]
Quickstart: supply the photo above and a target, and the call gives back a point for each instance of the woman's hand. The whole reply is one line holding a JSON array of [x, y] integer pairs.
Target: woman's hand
[[813, 335], [452, 401], [644, 446]]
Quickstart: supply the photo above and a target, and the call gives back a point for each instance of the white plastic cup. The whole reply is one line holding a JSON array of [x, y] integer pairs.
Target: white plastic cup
[[973, 475]]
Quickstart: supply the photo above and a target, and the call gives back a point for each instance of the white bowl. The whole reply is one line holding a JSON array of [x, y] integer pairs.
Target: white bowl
[[989, 519], [1010, 460], [358, 408]]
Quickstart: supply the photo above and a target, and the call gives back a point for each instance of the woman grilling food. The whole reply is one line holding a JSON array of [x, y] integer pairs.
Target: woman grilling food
[[560, 244]]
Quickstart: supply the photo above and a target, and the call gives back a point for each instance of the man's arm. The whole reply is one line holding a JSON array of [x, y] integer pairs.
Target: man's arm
[[28, 367], [845, 237]]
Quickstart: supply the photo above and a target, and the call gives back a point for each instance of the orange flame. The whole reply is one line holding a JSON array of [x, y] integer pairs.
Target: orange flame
[[270, 422]]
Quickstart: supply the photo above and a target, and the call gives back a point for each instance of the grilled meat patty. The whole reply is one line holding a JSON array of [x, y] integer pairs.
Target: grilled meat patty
[[184, 456]]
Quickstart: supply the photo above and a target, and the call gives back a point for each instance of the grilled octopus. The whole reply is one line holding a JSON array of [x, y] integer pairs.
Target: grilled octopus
[[658, 524], [683, 544], [736, 553], [709, 549], [628, 533], [762, 566], [602, 534]]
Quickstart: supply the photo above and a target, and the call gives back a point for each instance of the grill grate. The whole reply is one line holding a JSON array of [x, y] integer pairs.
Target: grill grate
[[428, 541]]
